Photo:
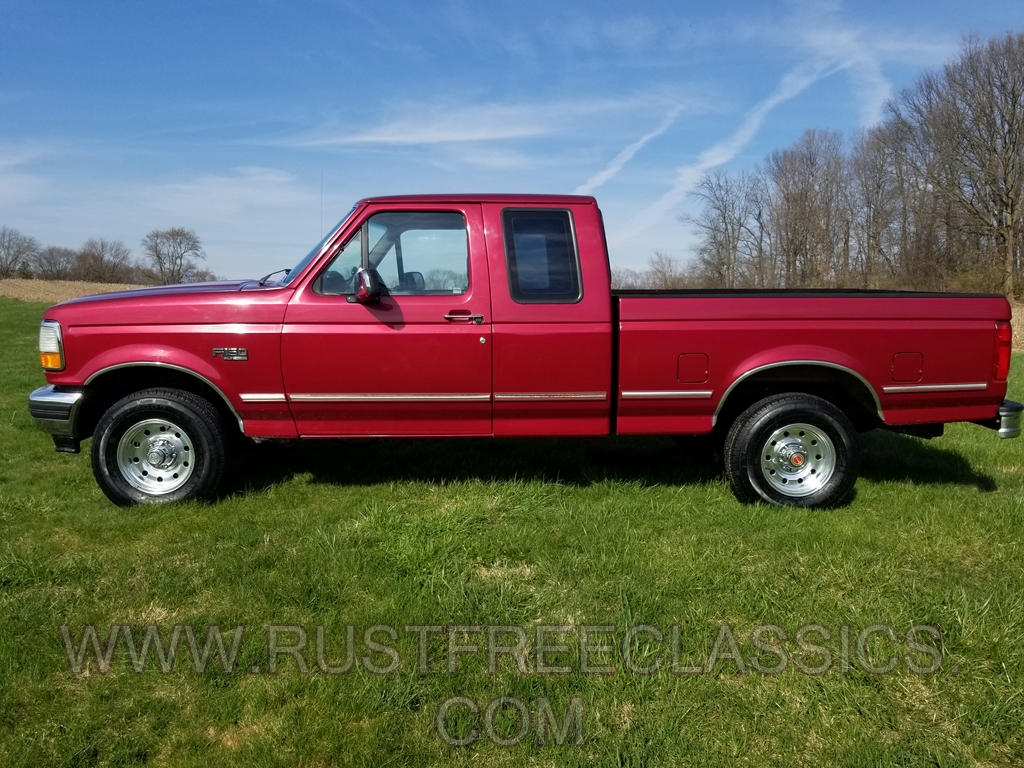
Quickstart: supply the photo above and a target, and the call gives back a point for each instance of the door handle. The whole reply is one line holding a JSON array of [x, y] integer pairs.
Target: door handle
[[475, 319]]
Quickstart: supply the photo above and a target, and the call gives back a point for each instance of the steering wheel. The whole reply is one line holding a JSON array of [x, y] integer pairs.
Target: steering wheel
[[332, 283]]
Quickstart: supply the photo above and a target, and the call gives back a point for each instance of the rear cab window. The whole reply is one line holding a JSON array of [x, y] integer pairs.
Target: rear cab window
[[541, 256]]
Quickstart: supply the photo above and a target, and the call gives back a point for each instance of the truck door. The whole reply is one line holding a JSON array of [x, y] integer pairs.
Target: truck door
[[552, 318], [416, 363]]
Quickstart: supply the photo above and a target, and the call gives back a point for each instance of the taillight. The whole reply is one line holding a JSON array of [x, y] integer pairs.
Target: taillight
[[51, 347], [1004, 343]]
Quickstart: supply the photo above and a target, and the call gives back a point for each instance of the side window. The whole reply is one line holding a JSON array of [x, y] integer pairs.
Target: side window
[[414, 253], [338, 278], [439, 256], [540, 250]]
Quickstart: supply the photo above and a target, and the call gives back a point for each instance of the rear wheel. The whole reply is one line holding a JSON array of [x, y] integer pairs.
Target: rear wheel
[[794, 449], [159, 446]]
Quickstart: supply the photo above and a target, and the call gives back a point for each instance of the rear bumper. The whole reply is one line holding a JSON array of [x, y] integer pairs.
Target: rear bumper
[[55, 411], [1009, 419]]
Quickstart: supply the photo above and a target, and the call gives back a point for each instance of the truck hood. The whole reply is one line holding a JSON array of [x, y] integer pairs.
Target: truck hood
[[223, 286], [229, 301]]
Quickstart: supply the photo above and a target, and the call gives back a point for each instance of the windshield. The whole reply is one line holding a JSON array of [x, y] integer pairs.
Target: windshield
[[297, 269]]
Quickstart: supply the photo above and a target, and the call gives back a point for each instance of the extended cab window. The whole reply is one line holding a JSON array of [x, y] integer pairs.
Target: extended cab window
[[540, 250], [414, 253]]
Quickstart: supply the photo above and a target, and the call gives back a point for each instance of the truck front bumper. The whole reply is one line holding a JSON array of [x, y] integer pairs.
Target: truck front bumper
[[55, 411], [1009, 419]]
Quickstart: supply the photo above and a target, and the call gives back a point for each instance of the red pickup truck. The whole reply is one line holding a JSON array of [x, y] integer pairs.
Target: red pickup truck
[[463, 315]]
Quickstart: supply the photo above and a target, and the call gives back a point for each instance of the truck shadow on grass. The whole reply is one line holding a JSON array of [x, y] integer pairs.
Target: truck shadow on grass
[[887, 456], [649, 461], [575, 462]]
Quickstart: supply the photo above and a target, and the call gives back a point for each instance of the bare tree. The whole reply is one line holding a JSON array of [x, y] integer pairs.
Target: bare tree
[[666, 272], [733, 230], [172, 255], [16, 251], [624, 278], [809, 210], [933, 198], [964, 130], [873, 200], [203, 276], [445, 280], [54, 263], [720, 225], [105, 261]]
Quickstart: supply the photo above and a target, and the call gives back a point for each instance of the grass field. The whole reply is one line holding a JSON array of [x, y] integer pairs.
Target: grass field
[[514, 534]]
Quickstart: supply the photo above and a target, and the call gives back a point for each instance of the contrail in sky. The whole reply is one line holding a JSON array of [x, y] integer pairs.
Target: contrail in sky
[[625, 156], [688, 176]]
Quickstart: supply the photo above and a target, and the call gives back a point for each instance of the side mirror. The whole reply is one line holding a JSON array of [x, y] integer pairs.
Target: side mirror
[[367, 286]]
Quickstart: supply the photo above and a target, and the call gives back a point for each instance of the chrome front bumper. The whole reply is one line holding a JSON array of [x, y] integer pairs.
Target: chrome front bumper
[[1009, 419], [55, 411]]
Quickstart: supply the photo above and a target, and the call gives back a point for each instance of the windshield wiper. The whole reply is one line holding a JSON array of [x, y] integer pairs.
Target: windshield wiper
[[263, 280]]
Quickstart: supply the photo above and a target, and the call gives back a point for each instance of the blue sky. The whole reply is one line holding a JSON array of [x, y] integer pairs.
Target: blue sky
[[229, 118]]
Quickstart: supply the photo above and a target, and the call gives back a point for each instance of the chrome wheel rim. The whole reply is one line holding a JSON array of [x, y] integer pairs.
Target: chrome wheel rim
[[798, 460], [156, 456]]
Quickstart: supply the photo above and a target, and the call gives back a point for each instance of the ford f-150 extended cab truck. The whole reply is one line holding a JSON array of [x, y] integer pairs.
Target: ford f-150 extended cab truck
[[469, 315]]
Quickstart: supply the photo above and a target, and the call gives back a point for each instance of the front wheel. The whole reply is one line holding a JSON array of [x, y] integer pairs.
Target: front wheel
[[159, 446], [794, 449]]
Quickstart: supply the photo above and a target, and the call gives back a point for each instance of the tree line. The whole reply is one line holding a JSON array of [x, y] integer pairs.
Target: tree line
[[932, 198], [168, 256]]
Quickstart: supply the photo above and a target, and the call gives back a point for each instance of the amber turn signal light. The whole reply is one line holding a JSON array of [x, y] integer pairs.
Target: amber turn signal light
[[51, 347]]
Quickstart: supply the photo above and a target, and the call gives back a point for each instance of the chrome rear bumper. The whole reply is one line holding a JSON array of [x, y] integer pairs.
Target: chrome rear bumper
[[1009, 419]]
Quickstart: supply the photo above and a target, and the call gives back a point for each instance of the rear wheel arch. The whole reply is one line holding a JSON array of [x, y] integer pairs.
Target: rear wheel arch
[[843, 387]]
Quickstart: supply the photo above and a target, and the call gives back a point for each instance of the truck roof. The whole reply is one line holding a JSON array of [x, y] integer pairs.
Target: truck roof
[[512, 198]]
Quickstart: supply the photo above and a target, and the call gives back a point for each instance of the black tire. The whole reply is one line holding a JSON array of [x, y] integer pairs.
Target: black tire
[[159, 446], [794, 450]]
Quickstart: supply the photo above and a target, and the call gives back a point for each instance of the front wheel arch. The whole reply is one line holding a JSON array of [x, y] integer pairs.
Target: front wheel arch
[[105, 387]]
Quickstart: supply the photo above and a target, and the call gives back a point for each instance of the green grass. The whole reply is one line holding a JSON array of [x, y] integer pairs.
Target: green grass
[[622, 532]]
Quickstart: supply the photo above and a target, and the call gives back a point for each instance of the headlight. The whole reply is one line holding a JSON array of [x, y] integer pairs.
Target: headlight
[[51, 347]]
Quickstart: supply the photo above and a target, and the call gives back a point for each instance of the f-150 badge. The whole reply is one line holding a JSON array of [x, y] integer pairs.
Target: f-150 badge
[[231, 353]]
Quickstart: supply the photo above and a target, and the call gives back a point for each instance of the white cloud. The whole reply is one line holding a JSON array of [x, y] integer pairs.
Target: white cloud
[[849, 50], [832, 45], [17, 185], [250, 219], [487, 156], [243, 191], [422, 125], [475, 123], [688, 176], [821, 29], [620, 160]]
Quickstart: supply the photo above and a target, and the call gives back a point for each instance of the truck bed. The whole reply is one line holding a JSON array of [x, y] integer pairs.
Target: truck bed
[[681, 353], [795, 292]]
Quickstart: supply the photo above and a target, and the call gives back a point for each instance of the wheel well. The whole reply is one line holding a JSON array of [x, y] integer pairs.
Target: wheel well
[[107, 388], [840, 387]]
